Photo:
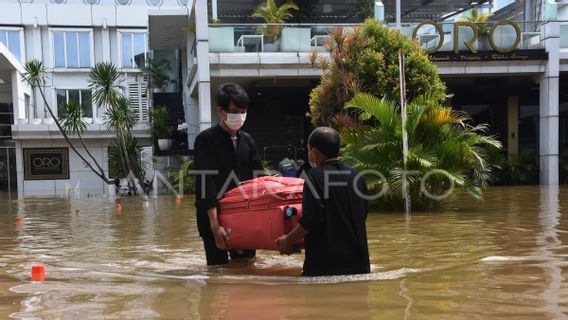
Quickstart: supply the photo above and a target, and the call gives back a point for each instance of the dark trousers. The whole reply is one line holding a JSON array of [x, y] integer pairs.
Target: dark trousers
[[215, 256], [218, 257]]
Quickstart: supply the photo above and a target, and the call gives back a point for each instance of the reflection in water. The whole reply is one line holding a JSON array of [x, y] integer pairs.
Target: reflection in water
[[548, 246], [502, 258]]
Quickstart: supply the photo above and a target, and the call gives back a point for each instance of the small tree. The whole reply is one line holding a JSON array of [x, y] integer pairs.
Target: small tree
[[272, 13], [104, 80], [365, 59]]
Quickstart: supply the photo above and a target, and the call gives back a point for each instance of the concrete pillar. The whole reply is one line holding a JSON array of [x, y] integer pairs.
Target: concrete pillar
[[16, 102], [549, 106], [214, 9], [202, 43], [105, 40], [513, 126], [398, 13]]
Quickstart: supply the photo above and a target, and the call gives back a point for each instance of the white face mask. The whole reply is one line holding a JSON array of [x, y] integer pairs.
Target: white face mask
[[235, 120]]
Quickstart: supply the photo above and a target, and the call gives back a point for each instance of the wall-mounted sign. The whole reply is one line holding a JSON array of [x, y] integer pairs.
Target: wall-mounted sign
[[517, 55], [469, 43], [46, 163]]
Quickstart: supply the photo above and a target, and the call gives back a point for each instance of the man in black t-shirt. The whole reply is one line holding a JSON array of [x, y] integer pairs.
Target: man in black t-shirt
[[224, 155], [333, 213]]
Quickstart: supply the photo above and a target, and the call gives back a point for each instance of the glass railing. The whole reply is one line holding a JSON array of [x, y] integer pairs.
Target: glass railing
[[564, 35], [270, 37], [497, 36]]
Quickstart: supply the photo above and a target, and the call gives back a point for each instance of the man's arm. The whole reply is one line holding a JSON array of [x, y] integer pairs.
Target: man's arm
[[311, 220], [204, 160], [218, 231], [286, 242]]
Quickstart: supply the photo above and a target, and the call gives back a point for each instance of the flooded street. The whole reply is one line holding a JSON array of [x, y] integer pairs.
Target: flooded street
[[503, 258]]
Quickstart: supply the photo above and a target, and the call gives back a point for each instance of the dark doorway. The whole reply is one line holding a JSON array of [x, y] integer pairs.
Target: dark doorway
[[277, 120]]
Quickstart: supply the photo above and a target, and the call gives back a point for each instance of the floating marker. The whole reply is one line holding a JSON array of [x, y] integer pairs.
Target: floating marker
[[178, 199], [77, 212], [19, 221], [38, 273], [145, 203], [118, 207]]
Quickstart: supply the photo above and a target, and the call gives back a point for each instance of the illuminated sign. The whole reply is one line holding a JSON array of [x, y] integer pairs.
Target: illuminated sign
[[46, 164]]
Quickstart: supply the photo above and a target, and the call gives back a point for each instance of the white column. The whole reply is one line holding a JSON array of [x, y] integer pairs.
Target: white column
[[398, 13], [204, 87], [105, 40], [214, 8], [16, 93], [549, 108]]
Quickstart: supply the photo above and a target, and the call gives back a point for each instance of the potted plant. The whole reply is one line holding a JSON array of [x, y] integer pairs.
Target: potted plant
[[272, 14], [480, 21], [156, 71], [162, 132]]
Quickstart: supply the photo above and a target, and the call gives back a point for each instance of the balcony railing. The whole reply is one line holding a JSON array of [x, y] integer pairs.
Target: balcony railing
[[439, 36], [270, 37]]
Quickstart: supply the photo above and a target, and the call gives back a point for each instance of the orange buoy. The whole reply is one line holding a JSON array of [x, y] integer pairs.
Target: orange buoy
[[118, 207], [19, 221], [178, 199], [38, 273], [77, 212]]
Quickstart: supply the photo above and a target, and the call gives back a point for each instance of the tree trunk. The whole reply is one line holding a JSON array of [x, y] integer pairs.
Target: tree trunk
[[102, 176]]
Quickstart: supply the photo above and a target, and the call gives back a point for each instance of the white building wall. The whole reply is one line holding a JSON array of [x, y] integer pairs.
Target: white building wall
[[79, 172], [38, 19]]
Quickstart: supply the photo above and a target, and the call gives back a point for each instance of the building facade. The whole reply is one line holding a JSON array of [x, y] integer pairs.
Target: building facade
[[521, 94], [69, 37]]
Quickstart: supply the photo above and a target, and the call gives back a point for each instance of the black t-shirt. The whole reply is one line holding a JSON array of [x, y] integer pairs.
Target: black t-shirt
[[337, 242], [214, 151]]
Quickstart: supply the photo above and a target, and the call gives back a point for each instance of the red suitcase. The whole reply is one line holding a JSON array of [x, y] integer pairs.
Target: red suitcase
[[260, 210]]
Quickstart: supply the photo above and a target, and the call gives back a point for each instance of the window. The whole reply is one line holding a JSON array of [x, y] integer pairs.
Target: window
[[154, 2], [123, 2], [72, 49], [133, 49], [11, 39], [82, 97]]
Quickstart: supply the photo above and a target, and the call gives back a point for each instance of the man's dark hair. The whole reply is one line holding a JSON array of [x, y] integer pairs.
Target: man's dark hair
[[228, 92], [326, 140]]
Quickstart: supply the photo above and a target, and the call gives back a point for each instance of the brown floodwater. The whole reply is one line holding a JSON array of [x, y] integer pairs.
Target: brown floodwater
[[502, 258]]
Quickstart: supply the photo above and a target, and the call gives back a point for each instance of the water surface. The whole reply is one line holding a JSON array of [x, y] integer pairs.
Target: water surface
[[503, 258]]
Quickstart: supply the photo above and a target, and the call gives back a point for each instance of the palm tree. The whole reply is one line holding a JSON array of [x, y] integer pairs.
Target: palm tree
[[104, 80], [35, 75], [73, 123], [271, 13], [121, 119], [440, 140], [480, 20]]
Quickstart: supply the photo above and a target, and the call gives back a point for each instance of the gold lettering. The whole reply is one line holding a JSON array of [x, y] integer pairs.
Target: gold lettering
[[468, 43], [517, 39], [438, 28]]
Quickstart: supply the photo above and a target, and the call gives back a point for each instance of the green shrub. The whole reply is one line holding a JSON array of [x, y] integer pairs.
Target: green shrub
[[366, 60], [439, 139]]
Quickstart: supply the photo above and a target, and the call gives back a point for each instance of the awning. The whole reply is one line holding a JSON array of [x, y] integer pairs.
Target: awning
[[168, 28]]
